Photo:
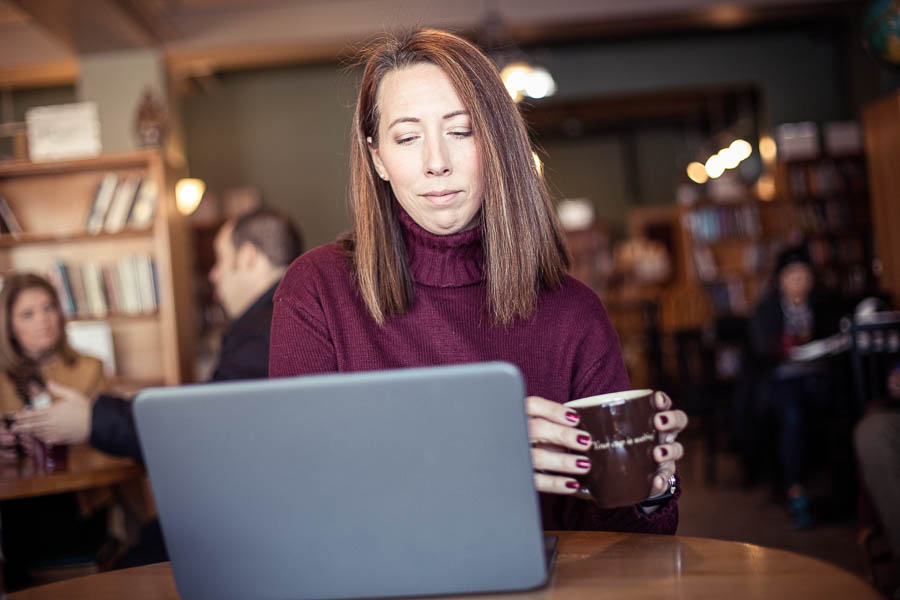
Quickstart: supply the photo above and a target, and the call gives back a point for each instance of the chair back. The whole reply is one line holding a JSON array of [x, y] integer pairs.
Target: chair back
[[874, 350]]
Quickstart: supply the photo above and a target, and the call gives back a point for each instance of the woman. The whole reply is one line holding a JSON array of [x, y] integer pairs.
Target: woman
[[33, 352], [455, 256], [792, 312], [33, 346]]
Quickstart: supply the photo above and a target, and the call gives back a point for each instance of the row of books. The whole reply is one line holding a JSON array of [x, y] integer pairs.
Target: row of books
[[825, 252], [728, 297], [827, 178], [707, 269], [824, 217], [128, 286], [120, 201], [713, 223]]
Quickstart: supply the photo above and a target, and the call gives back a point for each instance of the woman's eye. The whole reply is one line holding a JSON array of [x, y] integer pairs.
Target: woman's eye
[[406, 140], [461, 134]]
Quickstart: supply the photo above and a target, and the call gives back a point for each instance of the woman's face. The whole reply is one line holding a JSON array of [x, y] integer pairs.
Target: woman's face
[[426, 149], [796, 281], [35, 322]]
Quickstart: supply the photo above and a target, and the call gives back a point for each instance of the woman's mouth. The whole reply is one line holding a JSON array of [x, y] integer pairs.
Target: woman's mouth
[[442, 196]]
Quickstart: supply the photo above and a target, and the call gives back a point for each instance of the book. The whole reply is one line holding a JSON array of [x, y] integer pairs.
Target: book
[[79, 295], [128, 286], [111, 284], [100, 206], [146, 293], [121, 203], [8, 220], [93, 288], [59, 277], [144, 208]]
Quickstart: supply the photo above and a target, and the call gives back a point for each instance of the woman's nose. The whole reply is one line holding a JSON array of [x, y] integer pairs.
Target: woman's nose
[[437, 159]]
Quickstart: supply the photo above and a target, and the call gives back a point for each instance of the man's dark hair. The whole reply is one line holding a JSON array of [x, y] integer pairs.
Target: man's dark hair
[[272, 232]]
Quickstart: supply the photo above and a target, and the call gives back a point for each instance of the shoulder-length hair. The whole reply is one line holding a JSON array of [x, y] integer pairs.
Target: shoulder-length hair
[[12, 360], [523, 247]]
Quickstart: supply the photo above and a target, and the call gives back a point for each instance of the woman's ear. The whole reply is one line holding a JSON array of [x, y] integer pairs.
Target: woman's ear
[[376, 159]]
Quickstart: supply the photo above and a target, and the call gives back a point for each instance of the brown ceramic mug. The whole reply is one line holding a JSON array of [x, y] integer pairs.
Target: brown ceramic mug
[[622, 440]]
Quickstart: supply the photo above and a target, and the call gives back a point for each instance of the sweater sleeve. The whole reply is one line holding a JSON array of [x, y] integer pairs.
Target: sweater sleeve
[[300, 339], [600, 369]]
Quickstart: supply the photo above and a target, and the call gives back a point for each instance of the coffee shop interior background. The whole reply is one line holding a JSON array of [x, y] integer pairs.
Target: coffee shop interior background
[[684, 143]]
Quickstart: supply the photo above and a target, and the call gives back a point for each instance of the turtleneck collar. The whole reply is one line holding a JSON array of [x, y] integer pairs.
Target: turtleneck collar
[[453, 260]]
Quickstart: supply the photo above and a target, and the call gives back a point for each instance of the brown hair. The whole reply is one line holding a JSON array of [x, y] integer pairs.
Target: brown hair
[[523, 246], [20, 368], [272, 232]]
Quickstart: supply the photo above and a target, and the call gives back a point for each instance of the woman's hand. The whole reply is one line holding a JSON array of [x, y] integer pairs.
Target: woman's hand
[[7, 444], [669, 423], [552, 432], [67, 421]]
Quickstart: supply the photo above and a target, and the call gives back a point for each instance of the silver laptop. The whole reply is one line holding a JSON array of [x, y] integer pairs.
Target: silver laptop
[[386, 483]]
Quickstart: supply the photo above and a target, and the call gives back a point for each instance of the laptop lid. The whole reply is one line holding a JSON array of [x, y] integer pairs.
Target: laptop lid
[[374, 484]]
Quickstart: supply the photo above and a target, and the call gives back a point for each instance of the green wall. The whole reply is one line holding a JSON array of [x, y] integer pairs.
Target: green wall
[[284, 131]]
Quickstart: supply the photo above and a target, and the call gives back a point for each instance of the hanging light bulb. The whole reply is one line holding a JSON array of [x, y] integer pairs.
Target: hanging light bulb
[[715, 166], [741, 148], [767, 149], [697, 172], [515, 78], [522, 79], [540, 83], [188, 194]]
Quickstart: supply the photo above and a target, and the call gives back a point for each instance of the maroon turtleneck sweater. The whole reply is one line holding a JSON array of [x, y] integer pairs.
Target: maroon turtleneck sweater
[[567, 349]]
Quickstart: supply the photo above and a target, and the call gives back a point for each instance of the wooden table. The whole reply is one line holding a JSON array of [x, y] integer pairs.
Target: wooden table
[[87, 469], [589, 566]]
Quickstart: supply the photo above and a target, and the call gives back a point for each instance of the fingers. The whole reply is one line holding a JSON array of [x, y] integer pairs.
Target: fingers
[[668, 452], [670, 422], [541, 431], [536, 406], [661, 480], [662, 401], [554, 484], [559, 462], [29, 421], [552, 423]]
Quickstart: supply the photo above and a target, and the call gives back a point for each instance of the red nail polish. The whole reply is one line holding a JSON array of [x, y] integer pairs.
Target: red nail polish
[[664, 419], [583, 464], [663, 451], [573, 485], [583, 440], [572, 417]]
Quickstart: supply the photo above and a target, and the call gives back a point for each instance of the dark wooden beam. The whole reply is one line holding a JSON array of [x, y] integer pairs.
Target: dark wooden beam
[[98, 25]]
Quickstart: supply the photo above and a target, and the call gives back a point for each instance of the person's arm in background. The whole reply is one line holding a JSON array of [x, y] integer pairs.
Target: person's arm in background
[[246, 357], [108, 423]]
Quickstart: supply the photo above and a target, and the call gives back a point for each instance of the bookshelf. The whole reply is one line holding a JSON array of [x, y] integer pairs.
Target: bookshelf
[[729, 246], [826, 202], [134, 275]]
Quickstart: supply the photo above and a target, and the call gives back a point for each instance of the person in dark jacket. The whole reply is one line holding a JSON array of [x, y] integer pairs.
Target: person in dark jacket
[[252, 253], [793, 312]]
